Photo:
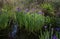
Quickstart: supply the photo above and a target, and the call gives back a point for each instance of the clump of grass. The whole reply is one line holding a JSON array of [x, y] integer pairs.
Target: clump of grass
[[31, 21], [35, 21]]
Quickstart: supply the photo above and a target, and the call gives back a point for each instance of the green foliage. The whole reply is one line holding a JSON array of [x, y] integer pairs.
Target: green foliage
[[31, 22], [20, 18], [7, 8], [57, 22], [48, 8], [3, 20], [6, 13], [56, 5], [45, 35], [50, 21], [35, 21]]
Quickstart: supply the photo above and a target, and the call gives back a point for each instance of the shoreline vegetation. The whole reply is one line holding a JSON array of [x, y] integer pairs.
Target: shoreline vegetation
[[29, 19]]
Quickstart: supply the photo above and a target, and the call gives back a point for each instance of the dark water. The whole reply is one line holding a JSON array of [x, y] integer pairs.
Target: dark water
[[12, 34]]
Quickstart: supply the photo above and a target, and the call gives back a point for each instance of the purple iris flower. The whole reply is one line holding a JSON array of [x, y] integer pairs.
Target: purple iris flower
[[57, 29], [18, 9], [27, 10], [54, 37]]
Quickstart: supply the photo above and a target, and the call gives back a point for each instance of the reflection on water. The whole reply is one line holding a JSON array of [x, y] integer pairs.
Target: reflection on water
[[12, 34]]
